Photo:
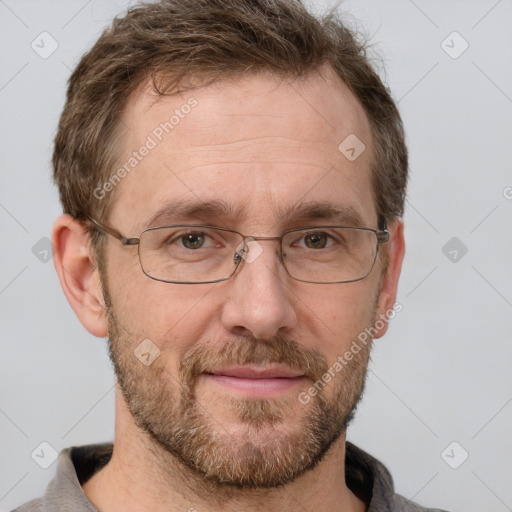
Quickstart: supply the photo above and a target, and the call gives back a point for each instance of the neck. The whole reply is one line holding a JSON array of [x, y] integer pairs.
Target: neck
[[142, 476]]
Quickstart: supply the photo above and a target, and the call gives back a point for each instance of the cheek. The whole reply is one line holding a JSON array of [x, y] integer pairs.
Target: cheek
[[174, 317], [336, 315]]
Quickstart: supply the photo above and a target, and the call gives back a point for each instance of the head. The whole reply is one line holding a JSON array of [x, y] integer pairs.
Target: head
[[232, 114]]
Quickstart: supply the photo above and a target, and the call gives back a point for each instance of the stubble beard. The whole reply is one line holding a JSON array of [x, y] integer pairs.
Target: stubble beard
[[270, 446]]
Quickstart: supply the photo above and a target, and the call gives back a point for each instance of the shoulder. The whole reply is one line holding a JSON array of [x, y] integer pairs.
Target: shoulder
[[371, 481], [401, 504], [64, 492], [31, 506]]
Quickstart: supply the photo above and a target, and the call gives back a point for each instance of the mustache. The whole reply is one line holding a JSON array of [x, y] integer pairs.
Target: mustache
[[249, 350]]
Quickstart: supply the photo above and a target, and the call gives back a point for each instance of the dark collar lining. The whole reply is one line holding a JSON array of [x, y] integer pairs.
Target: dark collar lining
[[360, 470], [359, 474], [90, 459]]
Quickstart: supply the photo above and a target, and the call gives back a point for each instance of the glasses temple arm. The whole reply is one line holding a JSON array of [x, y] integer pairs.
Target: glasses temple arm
[[383, 235], [115, 234]]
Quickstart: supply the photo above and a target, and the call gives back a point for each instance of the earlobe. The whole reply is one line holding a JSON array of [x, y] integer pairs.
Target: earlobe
[[386, 302], [78, 274]]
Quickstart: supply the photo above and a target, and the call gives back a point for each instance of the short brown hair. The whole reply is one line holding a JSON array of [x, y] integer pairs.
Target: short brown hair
[[208, 40]]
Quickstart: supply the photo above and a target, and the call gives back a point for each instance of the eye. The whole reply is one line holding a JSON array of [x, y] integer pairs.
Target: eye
[[316, 240], [193, 240]]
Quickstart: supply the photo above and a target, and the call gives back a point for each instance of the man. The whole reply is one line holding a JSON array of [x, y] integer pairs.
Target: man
[[233, 177]]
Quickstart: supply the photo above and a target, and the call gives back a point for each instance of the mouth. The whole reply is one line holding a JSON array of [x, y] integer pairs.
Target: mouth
[[256, 380]]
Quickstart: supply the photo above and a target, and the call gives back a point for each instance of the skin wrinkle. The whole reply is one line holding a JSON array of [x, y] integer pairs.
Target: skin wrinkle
[[240, 143]]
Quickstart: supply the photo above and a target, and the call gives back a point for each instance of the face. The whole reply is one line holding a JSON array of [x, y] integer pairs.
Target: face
[[234, 357]]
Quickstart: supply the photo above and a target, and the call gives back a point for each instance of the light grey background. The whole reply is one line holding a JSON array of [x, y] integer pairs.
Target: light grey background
[[441, 374]]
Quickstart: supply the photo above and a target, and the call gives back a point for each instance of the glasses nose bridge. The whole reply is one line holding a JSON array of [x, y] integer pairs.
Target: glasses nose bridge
[[250, 238], [262, 237]]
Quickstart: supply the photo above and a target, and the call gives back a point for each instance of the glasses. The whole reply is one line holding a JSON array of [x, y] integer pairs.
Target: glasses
[[196, 254]]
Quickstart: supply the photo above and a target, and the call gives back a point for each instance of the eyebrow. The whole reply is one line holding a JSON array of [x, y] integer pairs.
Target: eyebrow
[[218, 210], [317, 210], [178, 211]]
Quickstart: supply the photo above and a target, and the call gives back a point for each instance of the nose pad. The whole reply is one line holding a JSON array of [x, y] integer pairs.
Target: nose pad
[[239, 253], [248, 250], [236, 258]]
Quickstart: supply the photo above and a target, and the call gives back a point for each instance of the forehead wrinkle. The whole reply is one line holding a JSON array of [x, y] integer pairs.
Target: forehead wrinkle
[[193, 157], [256, 138], [273, 148], [230, 162]]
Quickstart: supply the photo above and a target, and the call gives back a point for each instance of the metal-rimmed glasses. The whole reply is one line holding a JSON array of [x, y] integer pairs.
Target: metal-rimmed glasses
[[197, 254]]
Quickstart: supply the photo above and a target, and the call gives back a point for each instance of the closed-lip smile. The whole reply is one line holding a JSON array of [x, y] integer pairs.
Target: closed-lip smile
[[256, 380]]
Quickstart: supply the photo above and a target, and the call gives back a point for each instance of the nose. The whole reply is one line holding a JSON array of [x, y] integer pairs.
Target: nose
[[259, 300]]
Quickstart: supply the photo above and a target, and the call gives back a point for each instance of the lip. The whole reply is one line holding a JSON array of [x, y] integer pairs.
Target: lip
[[256, 381], [258, 372]]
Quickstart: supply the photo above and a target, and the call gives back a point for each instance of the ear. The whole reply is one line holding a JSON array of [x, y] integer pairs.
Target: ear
[[78, 274], [389, 280]]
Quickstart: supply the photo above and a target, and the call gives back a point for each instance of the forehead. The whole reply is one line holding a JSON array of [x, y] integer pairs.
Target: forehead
[[258, 144]]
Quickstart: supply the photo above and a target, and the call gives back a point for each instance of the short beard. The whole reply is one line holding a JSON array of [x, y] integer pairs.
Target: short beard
[[270, 451]]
